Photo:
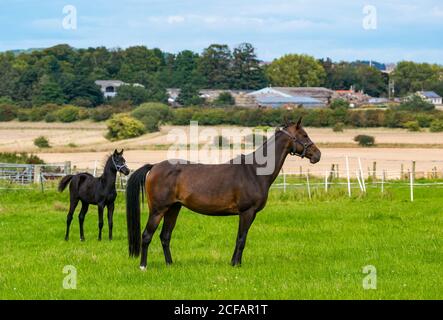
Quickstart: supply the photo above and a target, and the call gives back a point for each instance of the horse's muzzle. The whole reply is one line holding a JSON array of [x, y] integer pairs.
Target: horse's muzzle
[[315, 157]]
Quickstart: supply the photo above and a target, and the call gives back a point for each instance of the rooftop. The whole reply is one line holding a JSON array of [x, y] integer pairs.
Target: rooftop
[[429, 94]]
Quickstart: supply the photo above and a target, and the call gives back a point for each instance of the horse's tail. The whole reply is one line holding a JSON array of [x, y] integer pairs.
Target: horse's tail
[[64, 182], [135, 185]]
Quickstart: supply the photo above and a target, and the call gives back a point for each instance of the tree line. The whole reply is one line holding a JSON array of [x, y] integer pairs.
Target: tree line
[[65, 75]]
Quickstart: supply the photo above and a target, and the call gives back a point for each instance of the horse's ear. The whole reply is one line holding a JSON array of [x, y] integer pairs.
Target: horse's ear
[[121, 152], [115, 151], [299, 122]]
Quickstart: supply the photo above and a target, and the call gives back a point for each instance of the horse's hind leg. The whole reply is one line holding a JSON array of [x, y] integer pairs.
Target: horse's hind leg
[[246, 219], [155, 217], [81, 219], [168, 225], [72, 207]]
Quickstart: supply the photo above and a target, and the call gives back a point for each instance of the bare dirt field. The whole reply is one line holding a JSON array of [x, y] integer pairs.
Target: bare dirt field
[[83, 143]]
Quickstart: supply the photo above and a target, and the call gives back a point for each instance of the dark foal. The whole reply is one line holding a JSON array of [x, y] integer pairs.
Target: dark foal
[[97, 191], [218, 190]]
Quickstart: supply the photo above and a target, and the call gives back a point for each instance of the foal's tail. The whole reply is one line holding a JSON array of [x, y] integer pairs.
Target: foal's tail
[[64, 182], [136, 184]]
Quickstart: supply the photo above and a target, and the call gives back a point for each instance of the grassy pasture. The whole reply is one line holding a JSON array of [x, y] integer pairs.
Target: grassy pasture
[[297, 249]]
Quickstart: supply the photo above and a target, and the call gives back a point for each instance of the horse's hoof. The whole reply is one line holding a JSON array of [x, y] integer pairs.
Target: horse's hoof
[[82, 239], [142, 268]]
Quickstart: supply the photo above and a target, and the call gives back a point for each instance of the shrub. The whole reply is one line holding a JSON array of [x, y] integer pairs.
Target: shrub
[[416, 103], [67, 114], [339, 104], [338, 127], [83, 114], [23, 115], [50, 117], [224, 99], [436, 126], [101, 113], [8, 112], [23, 157], [36, 114], [413, 126], [41, 142], [122, 126], [152, 115], [364, 140], [82, 102]]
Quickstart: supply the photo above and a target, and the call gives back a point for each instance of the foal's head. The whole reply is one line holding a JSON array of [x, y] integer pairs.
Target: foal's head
[[119, 162], [300, 143]]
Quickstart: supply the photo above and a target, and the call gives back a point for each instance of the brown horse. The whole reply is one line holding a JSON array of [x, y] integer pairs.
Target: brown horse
[[217, 190]]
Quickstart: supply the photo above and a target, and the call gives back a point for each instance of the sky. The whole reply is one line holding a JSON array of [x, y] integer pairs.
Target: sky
[[384, 31]]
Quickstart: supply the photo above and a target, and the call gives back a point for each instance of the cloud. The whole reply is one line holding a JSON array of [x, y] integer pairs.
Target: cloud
[[175, 19], [437, 12]]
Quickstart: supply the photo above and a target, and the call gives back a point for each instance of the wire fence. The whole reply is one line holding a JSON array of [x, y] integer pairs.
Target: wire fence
[[353, 181]]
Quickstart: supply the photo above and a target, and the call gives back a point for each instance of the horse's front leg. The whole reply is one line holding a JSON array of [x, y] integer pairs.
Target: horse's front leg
[[100, 221], [246, 219], [110, 218]]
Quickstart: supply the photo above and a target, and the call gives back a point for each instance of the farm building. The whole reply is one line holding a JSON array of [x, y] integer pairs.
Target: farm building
[[109, 87], [307, 97], [355, 98], [211, 94], [431, 97]]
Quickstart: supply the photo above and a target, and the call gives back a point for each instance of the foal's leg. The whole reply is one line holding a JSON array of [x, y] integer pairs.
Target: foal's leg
[[100, 221], [110, 218], [73, 204], [168, 226], [155, 217], [81, 219], [246, 219]]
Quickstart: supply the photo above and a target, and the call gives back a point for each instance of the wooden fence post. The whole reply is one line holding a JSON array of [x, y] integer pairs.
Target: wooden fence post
[[309, 186], [413, 169], [37, 173], [67, 169], [374, 170], [348, 176]]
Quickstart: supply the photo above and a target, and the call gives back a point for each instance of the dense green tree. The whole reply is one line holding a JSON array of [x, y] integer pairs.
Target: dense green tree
[[411, 77], [215, 65], [344, 75], [294, 70], [246, 70], [135, 94], [416, 103], [189, 95], [48, 91], [8, 75]]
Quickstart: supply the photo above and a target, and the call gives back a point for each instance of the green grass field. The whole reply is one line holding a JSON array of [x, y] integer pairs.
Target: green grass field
[[297, 249]]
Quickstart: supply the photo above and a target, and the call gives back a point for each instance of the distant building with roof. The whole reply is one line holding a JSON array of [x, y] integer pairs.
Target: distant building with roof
[[240, 96], [307, 97], [355, 98], [431, 97], [109, 87]]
